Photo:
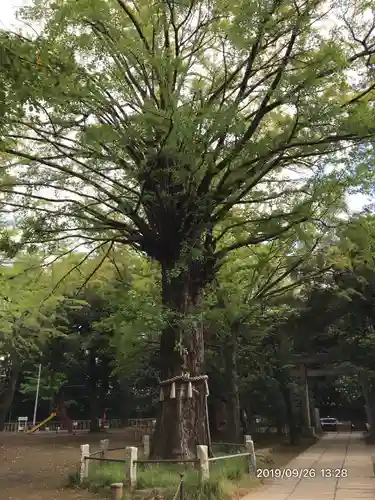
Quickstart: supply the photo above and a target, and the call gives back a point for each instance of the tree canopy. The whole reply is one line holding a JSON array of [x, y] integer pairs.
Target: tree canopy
[[151, 123]]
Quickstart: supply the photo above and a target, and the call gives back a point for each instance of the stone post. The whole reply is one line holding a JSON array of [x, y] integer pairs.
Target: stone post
[[252, 464], [131, 455], [104, 445], [84, 468], [117, 491], [368, 415], [318, 425], [368, 393], [204, 465], [307, 428], [146, 446]]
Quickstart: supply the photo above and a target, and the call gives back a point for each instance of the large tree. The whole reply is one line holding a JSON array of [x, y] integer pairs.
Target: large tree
[[246, 286], [160, 125], [27, 314]]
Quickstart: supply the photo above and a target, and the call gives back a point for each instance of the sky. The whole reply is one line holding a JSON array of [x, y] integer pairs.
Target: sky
[[8, 20]]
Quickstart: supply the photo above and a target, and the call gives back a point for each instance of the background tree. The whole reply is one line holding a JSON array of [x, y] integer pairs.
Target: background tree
[[246, 288], [27, 315]]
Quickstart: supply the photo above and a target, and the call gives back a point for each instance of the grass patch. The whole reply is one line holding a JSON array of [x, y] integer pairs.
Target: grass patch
[[73, 480], [152, 480], [229, 478]]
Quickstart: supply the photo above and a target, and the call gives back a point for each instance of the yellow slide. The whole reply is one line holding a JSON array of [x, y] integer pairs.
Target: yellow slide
[[53, 415]]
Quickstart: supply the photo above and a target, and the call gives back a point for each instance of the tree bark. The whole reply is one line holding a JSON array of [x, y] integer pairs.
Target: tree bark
[[9, 387], [93, 392], [291, 420], [2, 419], [181, 422], [368, 388], [244, 421], [233, 400], [62, 412], [94, 425]]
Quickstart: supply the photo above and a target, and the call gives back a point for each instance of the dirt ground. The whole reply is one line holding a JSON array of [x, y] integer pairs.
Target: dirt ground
[[36, 467]]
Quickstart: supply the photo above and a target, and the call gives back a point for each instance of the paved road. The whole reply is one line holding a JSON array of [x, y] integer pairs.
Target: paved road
[[344, 457]]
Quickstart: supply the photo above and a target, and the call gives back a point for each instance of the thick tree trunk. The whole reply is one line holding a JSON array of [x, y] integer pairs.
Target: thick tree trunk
[[62, 412], [291, 420], [2, 419], [94, 412], [233, 397], [8, 388], [182, 421], [94, 425], [244, 421], [368, 388], [93, 392]]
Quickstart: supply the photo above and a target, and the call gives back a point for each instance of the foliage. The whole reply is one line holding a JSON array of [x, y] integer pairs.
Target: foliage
[[26, 311], [349, 387], [338, 310], [154, 138], [49, 385]]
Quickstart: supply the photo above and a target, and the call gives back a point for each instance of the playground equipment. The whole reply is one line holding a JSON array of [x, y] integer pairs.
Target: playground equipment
[[36, 427], [60, 411]]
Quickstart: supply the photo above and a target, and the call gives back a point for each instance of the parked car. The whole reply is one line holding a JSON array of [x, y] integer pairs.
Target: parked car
[[329, 424]]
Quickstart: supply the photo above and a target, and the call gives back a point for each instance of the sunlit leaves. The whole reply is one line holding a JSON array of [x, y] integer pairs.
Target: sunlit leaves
[[204, 101]]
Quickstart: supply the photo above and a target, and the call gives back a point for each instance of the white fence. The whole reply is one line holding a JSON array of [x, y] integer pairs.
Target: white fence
[[131, 460], [249, 453], [55, 425], [141, 424]]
